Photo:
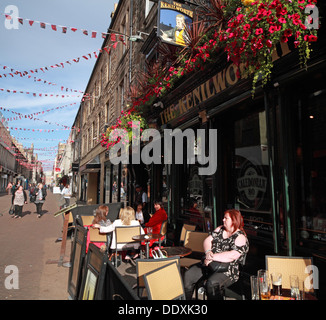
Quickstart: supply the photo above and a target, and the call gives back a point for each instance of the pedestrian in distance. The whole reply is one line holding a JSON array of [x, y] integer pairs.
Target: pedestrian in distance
[[40, 193], [66, 193], [19, 198]]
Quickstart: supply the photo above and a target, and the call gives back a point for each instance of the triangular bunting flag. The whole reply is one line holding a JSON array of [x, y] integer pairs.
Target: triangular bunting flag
[[113, 37], [54, 27], [30, 22], [64, 29], [42, 24], [85, 32], [20, 20], [73, 29], [93, 34]]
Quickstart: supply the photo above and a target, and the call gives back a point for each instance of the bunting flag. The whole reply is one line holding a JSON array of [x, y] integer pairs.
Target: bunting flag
[[64, 28], [42, 94], [35, 113], [61, 64], [35, 130]]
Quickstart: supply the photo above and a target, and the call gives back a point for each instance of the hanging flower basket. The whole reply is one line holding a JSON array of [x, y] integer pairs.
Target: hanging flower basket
[[252, 34], [125, 122]]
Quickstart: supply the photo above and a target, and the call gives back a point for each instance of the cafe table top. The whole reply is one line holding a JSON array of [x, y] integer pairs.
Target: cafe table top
[[147, 237], [176, 251]]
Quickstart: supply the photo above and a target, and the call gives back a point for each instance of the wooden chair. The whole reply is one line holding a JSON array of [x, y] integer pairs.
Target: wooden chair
[[193, 240], [123, 235], [165, 283], [184, 229], [144, 266], [290, 266]]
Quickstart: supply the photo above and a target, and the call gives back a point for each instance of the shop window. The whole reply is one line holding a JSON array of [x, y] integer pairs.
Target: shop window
[[311, 169], [251, 174]]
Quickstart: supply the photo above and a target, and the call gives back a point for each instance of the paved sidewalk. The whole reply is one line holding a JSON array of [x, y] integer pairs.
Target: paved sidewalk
[[29, 244]]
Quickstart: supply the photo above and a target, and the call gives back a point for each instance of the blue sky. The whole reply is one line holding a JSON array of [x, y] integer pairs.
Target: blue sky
[[31, 47]]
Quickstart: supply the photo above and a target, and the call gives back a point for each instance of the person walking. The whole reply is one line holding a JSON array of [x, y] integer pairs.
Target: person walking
[[19, 198], [40, 193], [66, 192]]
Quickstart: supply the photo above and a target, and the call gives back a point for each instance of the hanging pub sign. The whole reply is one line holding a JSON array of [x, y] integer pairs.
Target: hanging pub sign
[[172, 19]]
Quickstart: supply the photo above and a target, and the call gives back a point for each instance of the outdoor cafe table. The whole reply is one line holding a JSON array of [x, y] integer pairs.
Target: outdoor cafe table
[[176, 251], [147, 238]]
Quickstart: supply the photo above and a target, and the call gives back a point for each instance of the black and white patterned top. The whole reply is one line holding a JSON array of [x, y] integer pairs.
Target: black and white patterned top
[[219, 244]]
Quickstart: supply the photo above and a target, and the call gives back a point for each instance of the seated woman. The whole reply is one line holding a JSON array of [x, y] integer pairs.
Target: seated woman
[[126, 218], [99, 219], [155, 222], [228, 243]]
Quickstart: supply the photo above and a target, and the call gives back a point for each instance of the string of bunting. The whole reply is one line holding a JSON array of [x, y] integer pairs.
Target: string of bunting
[[107, 49], [36, 113], [64, 29], [43, 94], [35, 130], [36, 79]]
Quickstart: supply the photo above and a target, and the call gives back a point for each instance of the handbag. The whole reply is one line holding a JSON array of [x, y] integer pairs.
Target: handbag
[[12, 209], [32, 198], [217, 266]]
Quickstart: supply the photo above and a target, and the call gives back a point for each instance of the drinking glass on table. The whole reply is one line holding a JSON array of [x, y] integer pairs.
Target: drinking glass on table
[[294, 284], [277, 283], [254, 288], [264, 284]]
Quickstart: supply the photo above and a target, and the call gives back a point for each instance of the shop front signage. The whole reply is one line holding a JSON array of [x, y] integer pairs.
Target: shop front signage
[[221, 81], [172, 19]]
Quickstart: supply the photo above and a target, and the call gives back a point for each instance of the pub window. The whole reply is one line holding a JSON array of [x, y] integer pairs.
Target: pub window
[[251, 175], [311, 169]]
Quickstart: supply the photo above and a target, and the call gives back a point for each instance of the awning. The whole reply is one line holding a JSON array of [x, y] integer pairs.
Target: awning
[[91, 166]]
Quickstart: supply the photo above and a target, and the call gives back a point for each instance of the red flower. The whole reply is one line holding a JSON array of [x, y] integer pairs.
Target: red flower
[[269, 43], [259, 31], [287, 33]]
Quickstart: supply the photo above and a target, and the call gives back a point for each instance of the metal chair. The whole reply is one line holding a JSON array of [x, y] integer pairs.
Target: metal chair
[[292, 266], [144, 266], [123, 235], [96, 237], [165, 283], [184, 229], [193, 240]]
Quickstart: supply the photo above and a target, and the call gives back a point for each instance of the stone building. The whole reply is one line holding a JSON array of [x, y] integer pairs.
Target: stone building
[[107, 95]]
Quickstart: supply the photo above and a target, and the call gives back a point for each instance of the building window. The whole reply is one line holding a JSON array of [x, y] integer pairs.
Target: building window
[[251, 182], [121, 95], [310, 167], [107, 112], [148, 6]]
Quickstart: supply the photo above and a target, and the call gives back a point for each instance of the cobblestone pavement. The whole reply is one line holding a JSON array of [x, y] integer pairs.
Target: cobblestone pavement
[[28, 248]]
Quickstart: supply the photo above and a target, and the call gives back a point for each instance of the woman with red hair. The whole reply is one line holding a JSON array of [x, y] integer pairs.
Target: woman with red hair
[[227, 243]]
